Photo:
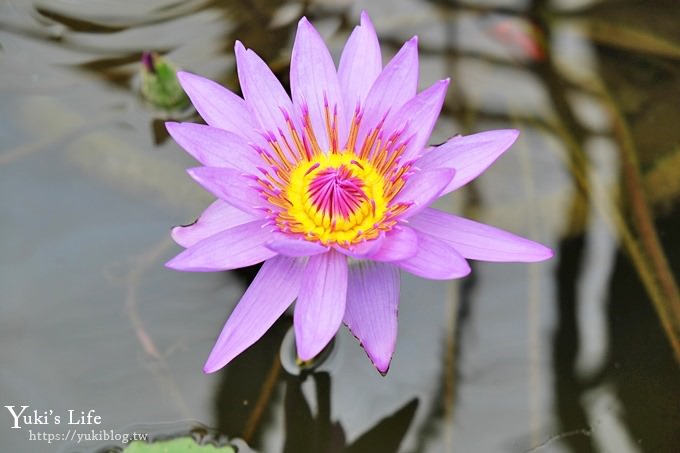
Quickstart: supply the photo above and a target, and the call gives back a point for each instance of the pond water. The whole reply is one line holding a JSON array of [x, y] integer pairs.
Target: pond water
[[576, 354]]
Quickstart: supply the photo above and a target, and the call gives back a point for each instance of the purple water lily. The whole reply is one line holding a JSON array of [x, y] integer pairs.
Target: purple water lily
[[331, 190]]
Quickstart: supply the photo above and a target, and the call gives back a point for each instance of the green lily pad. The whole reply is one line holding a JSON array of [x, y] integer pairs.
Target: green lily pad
[[179, 445]]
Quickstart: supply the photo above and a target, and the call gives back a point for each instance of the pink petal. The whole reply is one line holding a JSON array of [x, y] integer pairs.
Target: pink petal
[[362, 249], [314, 83], [400, 243], [218, 106], [435, 260], [360, 64], [417, 118], [295, 247], [262, 90], [478, 241], [231, 186], [215, 147], [371, 310], [423, 188], [321, 303], [470, 155], [273, 290], [395, 85], [240, 246], [219, 216]]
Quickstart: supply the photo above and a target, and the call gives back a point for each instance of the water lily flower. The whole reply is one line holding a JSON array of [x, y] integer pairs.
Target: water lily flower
[[330, 188]]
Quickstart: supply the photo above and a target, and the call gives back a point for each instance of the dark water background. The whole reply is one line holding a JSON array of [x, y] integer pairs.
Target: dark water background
[[569, 355]]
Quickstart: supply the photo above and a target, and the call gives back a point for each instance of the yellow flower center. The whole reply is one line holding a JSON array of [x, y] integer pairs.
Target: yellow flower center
[[335, 198], [343, 195]]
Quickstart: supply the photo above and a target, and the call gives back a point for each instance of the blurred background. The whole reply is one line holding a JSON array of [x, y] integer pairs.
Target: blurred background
[[576, 354]]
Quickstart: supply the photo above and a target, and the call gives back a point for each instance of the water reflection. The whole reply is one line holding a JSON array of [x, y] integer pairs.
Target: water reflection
[[565, 356], [307, 432]]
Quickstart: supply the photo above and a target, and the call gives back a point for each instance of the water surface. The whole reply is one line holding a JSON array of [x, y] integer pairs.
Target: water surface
[[563, 356]]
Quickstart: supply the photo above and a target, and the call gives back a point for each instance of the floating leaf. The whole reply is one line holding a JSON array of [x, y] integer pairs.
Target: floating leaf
[[179, 445]]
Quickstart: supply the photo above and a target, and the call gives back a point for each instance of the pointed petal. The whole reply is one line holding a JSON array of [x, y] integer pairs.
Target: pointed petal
[[314, 83], [240, 246], [321, 303], [215, 147], [262, 90], [395, 85], [435, 260], [231, 186], [417, 118], [219, 216], [371, 311], [400, 243], [218, 106], [295, 247], [423, 188], [470, 155], [360, 64], [273, 290], [478, 241]]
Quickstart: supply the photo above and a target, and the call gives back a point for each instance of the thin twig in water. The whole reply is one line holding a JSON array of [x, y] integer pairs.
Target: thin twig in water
[[533, 308], [576, 432], [453, 292], [158, 367]]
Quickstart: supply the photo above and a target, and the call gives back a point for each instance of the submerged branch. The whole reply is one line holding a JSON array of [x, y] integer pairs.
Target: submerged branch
[[631, 245], [668, 304], [268, 386]]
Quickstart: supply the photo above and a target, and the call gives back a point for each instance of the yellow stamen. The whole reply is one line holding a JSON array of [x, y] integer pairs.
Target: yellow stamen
[[338, 196]]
